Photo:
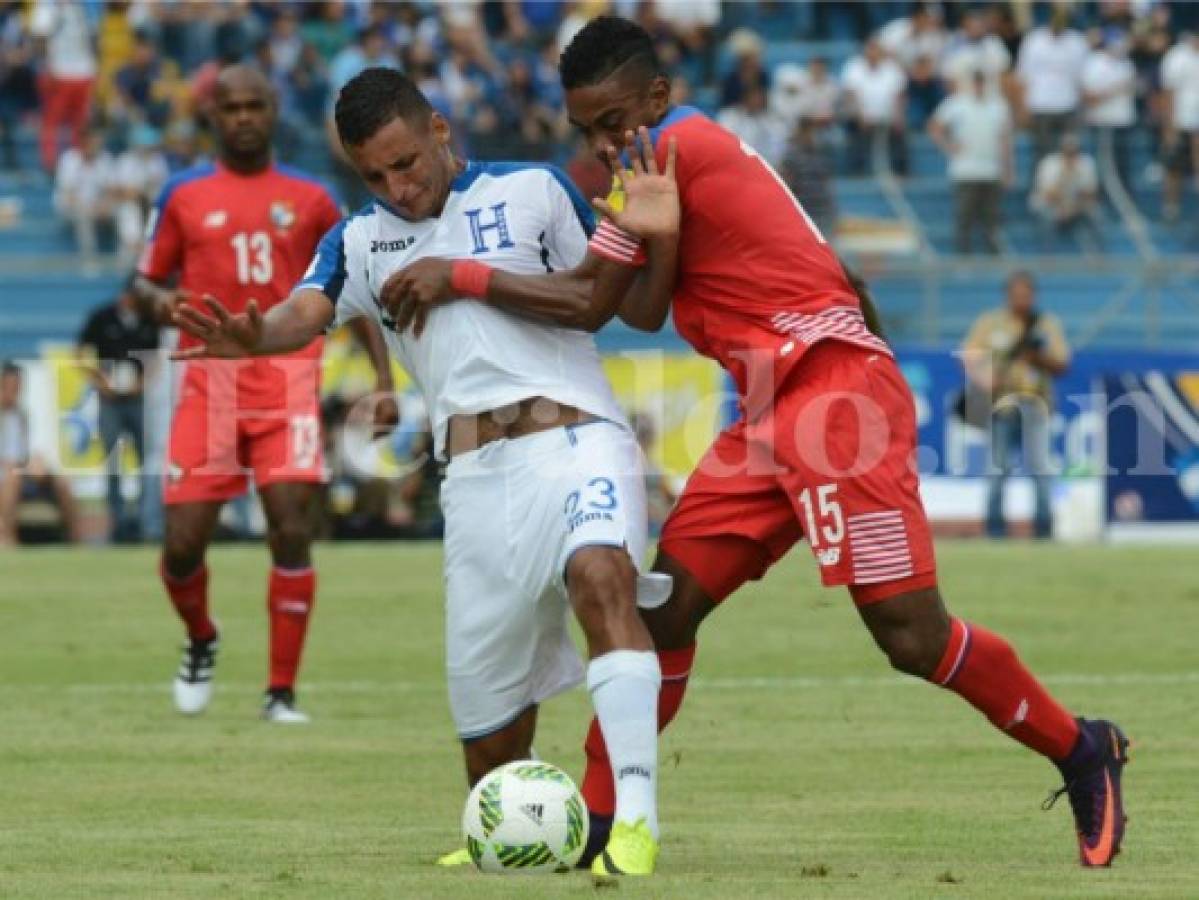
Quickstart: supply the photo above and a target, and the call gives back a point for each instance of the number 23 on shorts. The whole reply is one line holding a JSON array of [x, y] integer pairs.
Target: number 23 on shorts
[[597, 496]]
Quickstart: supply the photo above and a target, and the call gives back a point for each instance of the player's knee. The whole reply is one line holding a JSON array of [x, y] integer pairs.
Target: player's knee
[[490, 751], [482, 757], [673, 625], [602, 583], [290, 541], [182, 551], [912, 649]]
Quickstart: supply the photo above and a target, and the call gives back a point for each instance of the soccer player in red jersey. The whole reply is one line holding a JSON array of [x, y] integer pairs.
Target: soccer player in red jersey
[[825, 448], [242, 230]]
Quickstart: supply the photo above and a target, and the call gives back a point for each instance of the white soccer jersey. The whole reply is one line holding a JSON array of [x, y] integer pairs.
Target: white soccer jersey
[[472, 356]]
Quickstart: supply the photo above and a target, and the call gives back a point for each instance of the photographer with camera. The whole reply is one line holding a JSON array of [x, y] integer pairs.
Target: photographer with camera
[[1011, 356]]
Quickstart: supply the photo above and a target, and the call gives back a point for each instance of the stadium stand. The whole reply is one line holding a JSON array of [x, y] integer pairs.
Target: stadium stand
[[490, 67]]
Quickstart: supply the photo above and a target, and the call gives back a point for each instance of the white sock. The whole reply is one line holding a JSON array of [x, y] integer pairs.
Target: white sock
[[624, 687]]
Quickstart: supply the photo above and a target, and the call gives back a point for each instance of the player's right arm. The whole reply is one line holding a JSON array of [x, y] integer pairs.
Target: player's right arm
[[329, 293], [287, 326], [161, 258]]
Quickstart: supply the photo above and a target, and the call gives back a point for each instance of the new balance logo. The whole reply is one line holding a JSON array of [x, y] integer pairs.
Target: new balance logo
[[535, 812], [639, 771], [829, 557], [216, 219]]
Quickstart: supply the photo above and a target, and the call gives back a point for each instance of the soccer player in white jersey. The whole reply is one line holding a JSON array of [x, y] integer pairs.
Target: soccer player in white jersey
[[544, 494]]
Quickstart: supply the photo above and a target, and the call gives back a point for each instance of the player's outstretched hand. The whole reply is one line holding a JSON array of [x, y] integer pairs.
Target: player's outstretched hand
[[651, 197], [167, 302], [222, 334], [409, 294]]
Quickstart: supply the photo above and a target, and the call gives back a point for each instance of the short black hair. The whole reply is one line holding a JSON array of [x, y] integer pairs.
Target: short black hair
[[373, 98], [605, 44]]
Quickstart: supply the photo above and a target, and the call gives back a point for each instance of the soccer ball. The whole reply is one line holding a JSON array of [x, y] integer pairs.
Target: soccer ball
[[526, 816]]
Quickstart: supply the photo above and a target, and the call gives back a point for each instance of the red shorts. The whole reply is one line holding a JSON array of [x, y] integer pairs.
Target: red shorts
[[833, 460], [229, 423]]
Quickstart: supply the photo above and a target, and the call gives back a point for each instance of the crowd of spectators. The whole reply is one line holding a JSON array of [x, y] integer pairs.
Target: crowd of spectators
[[126, 84], [117, 93]]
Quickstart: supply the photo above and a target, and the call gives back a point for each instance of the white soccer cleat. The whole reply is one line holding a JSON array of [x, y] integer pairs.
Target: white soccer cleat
[[279, 706], [193, 681]]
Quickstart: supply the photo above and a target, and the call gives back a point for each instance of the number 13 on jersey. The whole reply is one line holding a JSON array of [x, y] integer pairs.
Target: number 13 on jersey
[[253, 253]]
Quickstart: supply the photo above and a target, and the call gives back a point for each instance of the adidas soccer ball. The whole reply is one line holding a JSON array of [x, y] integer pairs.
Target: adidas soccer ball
[[526, 816]]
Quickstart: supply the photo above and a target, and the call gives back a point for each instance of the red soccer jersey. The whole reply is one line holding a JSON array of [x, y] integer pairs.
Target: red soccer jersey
[[758, 284], [238, 237]]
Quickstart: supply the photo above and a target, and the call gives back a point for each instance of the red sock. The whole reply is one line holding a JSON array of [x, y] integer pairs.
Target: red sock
[[190, 598], [289, 601], [598, 789], [983, 668]]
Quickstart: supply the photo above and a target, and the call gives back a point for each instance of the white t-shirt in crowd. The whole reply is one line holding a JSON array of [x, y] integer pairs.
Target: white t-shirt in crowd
[[963, 58], [788, 90], [1051, 67], [1070, 185], [1180, 75], [1103, 73], [875, 89], [81, 183], [908, 45], [64, 25], [979, 126], [144, 173], [766, 131], [821, 98], [688, 13]]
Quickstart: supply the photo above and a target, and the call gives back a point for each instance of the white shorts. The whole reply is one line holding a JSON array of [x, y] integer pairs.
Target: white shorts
[[515, 511]]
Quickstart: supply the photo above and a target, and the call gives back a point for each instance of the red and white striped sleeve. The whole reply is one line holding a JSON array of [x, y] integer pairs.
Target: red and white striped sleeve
[[616, 245]]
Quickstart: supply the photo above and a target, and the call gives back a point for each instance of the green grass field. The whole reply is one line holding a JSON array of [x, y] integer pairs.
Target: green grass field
[[800, 766]]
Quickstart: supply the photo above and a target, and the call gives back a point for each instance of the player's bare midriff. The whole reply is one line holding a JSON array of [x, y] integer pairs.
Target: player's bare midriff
[[515, 420]]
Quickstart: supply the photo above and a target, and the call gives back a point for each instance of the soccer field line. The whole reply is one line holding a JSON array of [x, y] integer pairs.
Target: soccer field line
[[800, 682]]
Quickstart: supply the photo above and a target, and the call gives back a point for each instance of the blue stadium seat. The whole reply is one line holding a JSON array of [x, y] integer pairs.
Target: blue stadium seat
[[47, 307], [862, 197], [1076, 298]]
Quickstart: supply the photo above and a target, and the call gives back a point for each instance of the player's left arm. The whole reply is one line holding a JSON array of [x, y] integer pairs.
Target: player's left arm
[[327, 213], [386, 410], [652, 210], [647, 304]]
